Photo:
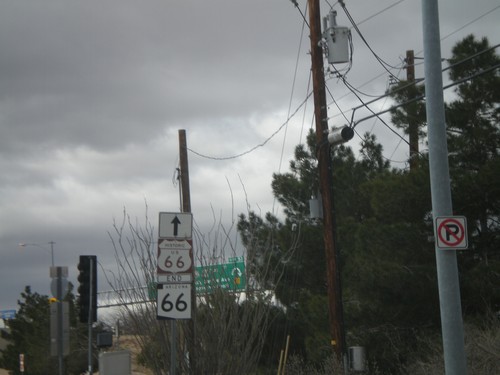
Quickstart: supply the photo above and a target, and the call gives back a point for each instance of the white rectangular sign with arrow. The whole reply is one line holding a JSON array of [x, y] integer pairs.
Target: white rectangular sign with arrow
[[175, 225]]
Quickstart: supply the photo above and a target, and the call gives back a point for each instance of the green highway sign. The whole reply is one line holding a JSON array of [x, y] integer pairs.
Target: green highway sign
[[152, 291], [227, 276]]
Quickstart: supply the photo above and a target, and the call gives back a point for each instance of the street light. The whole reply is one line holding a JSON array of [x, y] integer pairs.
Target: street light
[[51, 243]]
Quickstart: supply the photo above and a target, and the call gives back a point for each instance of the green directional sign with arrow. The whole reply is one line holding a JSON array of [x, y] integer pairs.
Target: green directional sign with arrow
[[227, 276]]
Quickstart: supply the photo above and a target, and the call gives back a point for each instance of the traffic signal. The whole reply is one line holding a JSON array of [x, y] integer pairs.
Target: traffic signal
[[87, 288]]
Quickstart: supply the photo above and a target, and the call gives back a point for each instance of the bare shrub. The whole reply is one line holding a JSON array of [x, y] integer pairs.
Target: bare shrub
[[230, 327], [482, 346]]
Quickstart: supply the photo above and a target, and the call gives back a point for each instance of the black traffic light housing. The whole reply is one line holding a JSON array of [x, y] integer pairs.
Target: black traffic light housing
[[87, 288]]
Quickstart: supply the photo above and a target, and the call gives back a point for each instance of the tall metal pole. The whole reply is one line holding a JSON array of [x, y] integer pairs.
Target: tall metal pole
[[446, 261], [89, 327], [59, 296], [173, 347], [52, 251], [335, 312]]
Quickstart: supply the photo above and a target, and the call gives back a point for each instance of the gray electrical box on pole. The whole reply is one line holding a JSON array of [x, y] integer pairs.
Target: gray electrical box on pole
[[336, 39]]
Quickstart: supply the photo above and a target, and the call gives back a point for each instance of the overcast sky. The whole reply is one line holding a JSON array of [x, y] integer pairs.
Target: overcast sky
[[93, 93]]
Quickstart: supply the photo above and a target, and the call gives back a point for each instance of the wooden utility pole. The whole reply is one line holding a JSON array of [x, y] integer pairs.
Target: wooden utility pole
[[412, 120], [186, 207], [335, 310], [184, 172]]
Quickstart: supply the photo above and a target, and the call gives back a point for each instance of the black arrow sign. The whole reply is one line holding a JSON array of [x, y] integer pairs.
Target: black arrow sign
[[176, 223]]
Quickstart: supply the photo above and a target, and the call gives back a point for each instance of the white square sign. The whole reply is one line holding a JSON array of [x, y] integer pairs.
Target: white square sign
[[451, 232], [175, 225], [174, 301]]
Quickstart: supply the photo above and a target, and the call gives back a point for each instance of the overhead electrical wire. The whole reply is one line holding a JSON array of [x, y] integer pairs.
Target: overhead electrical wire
[[484, 71], [305, 108], [417, 81], [334, 101], [395, 149], [355, 26], [262, 144], [470, 22], [284, 125], [387, 94], [386, 158], [353, 124], [352, 89], [294, 2], [480, 73], [379, 12], [290, 102], [383, 105], [350, 39], [471, 57], [292, 91], [442, 38]]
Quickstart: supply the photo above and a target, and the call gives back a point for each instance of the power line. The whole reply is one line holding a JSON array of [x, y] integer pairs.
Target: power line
[[417, 81], [470, 22], [377, 115], [352, 88], [383, 105], [305, 108], [480, 73], [377, 57], [380, 12], [257, 146], [386, 158], [290, 102], [443, 38], [334, 101], [292, 92], [294, 2]]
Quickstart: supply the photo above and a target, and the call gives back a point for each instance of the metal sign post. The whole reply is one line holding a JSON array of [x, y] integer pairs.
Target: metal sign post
[[446, 261], [59, 287], [90, 320], [175, 273]]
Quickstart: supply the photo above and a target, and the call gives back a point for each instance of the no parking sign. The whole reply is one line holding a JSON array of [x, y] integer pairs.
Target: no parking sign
[[451, 232]]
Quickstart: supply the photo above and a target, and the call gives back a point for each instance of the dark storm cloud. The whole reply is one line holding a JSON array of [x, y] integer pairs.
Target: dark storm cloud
[[106, 73], [92, 94]]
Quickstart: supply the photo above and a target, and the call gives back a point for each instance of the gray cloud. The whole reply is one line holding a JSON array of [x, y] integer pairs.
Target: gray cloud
[[92, 94]]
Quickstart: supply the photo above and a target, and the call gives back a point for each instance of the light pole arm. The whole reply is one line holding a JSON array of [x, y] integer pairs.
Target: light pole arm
[[51, 243]]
